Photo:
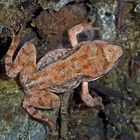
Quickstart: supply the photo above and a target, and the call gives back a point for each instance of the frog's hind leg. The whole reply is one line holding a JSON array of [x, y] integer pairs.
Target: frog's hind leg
[[41, 100], [26, 56], [88, 99]]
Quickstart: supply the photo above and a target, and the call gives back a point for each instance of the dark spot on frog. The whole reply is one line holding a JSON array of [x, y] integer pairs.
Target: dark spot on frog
[[86, 66]]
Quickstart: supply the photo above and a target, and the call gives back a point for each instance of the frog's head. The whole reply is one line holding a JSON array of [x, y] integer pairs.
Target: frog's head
[[111, 52]]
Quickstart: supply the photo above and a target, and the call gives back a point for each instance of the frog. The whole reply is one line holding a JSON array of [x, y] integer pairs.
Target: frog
[[60, 71]]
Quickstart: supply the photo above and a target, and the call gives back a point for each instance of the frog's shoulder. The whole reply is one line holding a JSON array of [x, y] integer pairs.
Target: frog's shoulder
[[51, 57]]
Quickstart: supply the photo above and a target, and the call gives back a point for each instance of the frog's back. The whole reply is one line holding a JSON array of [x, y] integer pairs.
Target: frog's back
[[62, 54], [86, 63]]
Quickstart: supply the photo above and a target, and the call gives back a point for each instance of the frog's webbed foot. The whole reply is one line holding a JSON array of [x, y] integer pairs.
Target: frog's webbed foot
[[88, 99], [42, 100]]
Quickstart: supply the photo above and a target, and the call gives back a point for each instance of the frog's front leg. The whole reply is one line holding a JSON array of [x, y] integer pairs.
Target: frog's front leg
[[41, 100], [88, 99], [74, 31]]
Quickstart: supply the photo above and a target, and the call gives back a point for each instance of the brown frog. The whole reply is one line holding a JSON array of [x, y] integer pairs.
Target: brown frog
[[60, 71]]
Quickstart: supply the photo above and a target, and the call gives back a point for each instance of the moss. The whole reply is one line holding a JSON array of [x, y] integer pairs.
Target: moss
[[88, 119], [8, 86]]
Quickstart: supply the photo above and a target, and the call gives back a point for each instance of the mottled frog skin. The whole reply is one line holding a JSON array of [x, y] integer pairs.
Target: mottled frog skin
[[60, 71]]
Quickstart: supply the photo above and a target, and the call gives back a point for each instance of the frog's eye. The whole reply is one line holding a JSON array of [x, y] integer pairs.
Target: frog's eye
[[113, 53], [110, 52]]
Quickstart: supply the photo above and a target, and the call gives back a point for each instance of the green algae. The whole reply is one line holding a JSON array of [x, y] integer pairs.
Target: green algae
[[8, 86], [87, 119]]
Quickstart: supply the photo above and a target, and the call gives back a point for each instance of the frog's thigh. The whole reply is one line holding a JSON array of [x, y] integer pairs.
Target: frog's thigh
[[26, 55], [46, 100], [87, 98], [41, 100]]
